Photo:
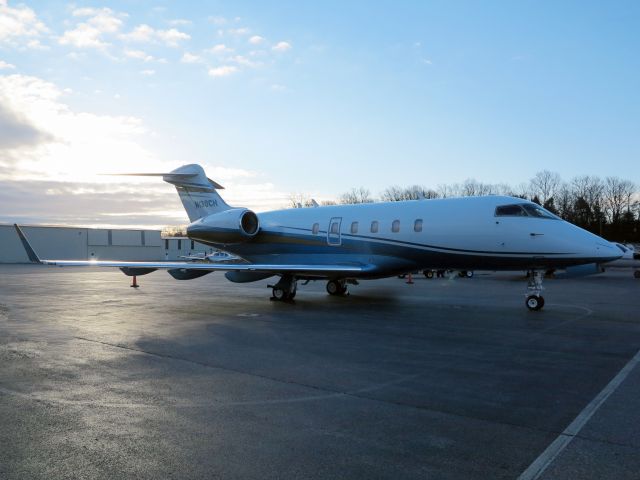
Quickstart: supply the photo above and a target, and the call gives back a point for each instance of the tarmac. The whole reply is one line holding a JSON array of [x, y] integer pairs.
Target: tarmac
[[443, 379]]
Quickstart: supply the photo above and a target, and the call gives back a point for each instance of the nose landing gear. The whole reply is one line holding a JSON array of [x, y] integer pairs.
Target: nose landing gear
[[534, 300]]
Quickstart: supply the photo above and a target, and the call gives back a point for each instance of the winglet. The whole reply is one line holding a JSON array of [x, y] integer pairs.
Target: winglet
[[31, 253]]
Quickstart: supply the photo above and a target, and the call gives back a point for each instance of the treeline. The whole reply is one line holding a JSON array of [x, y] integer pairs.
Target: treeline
[[609, 207]]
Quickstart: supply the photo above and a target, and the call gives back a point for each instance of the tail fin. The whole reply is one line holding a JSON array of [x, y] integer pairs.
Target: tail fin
[[197, 192]]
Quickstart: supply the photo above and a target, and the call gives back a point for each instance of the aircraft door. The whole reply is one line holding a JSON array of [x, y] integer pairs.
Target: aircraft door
[[333, 232]]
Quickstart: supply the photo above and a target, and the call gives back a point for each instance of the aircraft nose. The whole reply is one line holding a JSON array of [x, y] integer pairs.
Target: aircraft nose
[[606, 251]]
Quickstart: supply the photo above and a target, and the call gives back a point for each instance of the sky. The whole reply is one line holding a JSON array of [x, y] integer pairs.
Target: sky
[[315, 98]]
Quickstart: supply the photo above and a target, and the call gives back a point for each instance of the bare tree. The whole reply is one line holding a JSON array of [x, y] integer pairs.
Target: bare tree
[[356, 195], [392, 194], [299, 200], [174, 231], [588, 194], [473, 188], [544, 185], [617, 195], [446, 191], [563, 201]]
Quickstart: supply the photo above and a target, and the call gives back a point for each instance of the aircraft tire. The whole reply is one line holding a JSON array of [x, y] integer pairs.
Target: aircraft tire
[[278, 294], [335, 288], [534, 302], [469, 273], [428, 273]]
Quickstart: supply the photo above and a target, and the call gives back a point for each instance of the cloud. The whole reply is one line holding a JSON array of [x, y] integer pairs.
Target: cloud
[[180, 22], [45, 139], [220, 49], [138, 54], [172, 37], [190, 58], [142, 33], [148, 72], [89, 34], [239, 31], [83, 36], [218, 20], [256, 40], [281, 47], [6, 66], [17, 132], [52, 155], [245, 62], [223, 71], [103, 19], [19, 23], [145, 34]]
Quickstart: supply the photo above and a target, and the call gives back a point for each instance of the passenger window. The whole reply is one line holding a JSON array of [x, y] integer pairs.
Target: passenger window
[[374, 226], [354, 227], [335, 226], [315, 229], [510, 211], [395, 226], [417, 225]]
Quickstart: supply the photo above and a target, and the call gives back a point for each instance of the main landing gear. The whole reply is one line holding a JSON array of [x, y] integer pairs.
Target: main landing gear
[[535, 301], [337, 287], [285, 289]]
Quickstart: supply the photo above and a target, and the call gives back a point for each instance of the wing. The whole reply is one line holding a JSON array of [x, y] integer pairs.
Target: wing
[[309, 270]]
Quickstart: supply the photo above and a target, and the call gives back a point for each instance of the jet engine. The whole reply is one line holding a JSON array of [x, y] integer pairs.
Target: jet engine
[[237, 225]]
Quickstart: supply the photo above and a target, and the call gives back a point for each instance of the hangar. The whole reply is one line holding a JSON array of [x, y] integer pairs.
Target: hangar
[[80, 243]]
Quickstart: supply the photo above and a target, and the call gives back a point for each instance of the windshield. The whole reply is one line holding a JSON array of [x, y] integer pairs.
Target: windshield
[[524, 210]]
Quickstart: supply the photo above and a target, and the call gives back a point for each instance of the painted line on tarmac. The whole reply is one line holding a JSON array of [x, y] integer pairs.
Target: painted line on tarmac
[[540, 464]]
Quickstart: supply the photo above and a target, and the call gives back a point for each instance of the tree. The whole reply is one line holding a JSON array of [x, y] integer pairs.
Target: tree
[[299, 200], [174, 231], [544, 185], [590, 190], [392, 194], [356, 195], [617, 195], [550, 205]]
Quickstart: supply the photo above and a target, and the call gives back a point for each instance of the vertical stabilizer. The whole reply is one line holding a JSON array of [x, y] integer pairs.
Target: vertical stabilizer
[[197, 192]]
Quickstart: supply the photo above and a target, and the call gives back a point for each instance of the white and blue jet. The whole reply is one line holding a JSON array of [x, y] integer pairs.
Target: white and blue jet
[[345, 243]]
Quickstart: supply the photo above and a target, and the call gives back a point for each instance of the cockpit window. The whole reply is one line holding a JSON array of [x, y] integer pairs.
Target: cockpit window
[[622, 248], [537, 211], [524, 210], [510, 211]]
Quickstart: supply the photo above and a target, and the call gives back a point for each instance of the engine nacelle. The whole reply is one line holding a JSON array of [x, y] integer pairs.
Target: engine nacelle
[[237, 225]]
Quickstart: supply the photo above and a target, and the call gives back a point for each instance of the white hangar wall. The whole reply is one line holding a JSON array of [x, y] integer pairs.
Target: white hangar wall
[[75, 243]]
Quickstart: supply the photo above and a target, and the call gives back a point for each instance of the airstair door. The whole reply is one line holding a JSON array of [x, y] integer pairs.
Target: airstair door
[[333, 232]]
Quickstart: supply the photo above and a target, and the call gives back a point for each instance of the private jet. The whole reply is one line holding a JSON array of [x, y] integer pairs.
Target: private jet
[[346, 243]]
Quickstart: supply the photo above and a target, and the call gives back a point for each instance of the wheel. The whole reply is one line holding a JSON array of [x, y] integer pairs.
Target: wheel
[[335, 287], [292, 295], [535, 302], [469, 273], [428, 273], [462, 273], [278, 293], [636, 274]]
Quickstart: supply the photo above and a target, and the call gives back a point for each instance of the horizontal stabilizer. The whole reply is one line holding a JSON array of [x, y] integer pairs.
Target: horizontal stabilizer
[[170, 177], [31, 253]]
